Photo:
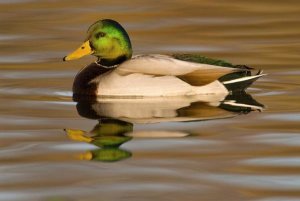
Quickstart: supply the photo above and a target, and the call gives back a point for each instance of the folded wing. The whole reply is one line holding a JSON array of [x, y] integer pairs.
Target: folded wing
[[196, 74]]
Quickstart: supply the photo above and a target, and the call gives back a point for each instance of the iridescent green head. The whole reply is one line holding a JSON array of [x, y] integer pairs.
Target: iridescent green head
[[107, 40]]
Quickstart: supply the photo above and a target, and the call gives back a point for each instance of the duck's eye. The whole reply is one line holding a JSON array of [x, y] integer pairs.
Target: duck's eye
[[100, 34]]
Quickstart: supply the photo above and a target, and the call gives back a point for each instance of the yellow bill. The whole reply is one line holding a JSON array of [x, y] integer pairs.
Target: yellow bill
[[84, 49]]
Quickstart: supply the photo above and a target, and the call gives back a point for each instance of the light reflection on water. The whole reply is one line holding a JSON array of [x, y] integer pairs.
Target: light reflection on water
[[242, 157]]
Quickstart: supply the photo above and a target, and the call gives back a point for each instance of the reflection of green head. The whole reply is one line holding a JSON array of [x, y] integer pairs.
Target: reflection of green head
[[110, 154], [110, 141], [112, 127], [110, 133]]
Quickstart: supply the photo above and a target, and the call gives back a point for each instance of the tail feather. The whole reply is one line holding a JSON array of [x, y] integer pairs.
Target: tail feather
[[240, 80]]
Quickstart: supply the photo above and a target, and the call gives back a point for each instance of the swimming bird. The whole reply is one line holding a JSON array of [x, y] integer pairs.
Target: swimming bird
[[117, 73]]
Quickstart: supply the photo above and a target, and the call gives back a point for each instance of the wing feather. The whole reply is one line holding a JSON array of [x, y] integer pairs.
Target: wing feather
[[196, 74]]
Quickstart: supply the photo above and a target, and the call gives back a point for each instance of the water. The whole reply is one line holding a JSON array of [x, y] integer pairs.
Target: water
[[254, 156]]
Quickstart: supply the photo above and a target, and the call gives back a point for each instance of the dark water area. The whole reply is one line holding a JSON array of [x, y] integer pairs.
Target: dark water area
[[54, 149]]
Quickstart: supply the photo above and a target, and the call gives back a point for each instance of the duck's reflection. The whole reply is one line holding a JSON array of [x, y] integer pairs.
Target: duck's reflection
[[108, 135], [116, 118]]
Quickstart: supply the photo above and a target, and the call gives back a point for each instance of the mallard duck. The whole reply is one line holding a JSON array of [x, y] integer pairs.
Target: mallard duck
[[118, 73]]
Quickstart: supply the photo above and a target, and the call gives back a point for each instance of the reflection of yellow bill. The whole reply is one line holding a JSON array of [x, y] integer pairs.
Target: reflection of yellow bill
[[86, 156], [78, 135], [84, 49]]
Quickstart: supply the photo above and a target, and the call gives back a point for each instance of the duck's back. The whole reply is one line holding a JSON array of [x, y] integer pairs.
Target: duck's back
[[161, 65]]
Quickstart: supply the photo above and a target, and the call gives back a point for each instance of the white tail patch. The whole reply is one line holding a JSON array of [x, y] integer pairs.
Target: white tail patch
[[243, 79]]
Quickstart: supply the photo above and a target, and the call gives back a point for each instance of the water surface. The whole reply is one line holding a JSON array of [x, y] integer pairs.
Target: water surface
[[240, 157]]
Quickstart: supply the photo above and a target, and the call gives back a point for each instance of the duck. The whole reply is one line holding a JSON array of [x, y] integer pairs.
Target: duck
[[119, 73]]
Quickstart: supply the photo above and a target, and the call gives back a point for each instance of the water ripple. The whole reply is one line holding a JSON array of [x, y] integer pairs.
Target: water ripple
[[286, 139], [274, 161], [35, 74]]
